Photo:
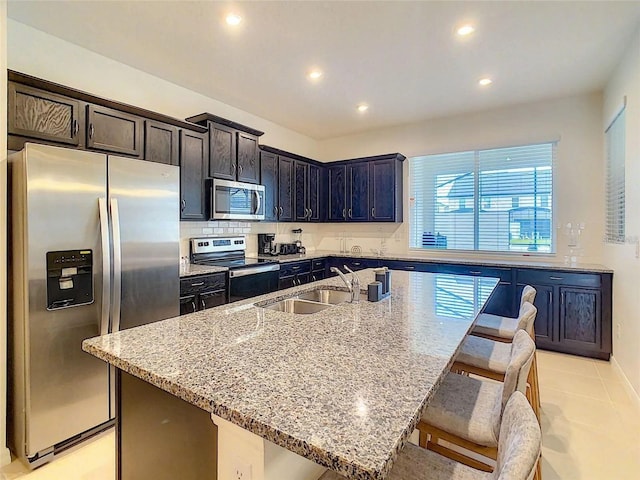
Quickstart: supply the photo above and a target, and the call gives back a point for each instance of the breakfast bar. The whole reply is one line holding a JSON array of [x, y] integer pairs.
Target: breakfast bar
[[343, 387]]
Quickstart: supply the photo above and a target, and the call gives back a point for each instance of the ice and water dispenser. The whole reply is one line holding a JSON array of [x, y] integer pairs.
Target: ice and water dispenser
[[69, 278]]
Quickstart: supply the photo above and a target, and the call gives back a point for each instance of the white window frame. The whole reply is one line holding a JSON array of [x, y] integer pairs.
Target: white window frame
[[553, 247]]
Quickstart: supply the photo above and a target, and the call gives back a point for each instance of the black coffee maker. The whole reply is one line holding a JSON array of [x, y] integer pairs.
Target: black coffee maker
[[266, 245]]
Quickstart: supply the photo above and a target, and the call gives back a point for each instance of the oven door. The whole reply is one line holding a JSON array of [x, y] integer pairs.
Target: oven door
[[253, 281], [235, 200]]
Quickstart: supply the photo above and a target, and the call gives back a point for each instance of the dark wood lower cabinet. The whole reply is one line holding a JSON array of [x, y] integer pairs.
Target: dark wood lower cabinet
[[580, 319]]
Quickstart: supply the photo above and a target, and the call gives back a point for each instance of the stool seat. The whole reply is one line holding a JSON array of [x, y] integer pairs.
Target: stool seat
[[486, 354], [467, 407], [417, 463], [495, 326]]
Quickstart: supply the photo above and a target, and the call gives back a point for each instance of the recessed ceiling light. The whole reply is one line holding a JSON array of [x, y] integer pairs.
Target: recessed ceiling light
[[233, 19], [483, 82], [363, 107], [315, 74], [465, 30]]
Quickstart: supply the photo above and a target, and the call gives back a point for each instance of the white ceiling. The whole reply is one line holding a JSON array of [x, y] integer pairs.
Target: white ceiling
[[402, 58]]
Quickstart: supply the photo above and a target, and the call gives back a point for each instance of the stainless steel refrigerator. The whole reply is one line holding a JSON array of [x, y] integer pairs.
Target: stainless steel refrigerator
[[95, 249]]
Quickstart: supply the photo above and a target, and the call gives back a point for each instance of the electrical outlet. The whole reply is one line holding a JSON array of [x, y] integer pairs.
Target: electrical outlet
[[241, 470]]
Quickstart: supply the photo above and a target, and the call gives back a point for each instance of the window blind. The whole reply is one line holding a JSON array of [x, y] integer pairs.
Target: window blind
[[615, 215], [491, 200]]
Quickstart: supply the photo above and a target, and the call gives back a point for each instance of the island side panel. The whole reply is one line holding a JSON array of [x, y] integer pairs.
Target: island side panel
[[161, 437]]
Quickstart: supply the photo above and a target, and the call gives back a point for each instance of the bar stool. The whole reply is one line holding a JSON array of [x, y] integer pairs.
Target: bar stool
[[489, 358], [466, 411], [518, 453], [502, 329]]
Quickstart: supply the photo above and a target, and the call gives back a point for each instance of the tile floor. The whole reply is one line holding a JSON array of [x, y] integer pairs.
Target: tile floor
[[591, 429]]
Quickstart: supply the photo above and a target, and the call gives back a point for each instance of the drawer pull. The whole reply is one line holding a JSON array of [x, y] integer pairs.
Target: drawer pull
[[296, 268], [410, 267], [555, 278], [475, 272], [199, 284]]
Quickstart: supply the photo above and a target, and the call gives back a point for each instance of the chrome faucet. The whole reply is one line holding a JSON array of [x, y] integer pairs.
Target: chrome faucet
[[353, 285]]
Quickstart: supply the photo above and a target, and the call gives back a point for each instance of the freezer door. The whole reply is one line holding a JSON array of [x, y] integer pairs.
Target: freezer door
[[144, 206], [56, 208]]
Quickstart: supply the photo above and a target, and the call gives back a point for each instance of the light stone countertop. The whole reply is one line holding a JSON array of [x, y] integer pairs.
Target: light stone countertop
[[191, 269], [543, 263], [343, 387]]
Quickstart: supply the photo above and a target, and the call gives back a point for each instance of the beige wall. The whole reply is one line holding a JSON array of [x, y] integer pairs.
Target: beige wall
[[36, 53], [624, 259], [4, 453], [574, 121]]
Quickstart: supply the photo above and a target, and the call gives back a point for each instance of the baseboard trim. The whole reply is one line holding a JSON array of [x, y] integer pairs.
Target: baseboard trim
[[5, 456], [627, 384]]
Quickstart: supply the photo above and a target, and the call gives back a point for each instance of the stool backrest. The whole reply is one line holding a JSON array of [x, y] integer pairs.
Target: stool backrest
[[520, 441], [528, 295], [527, 317], [515, 378]]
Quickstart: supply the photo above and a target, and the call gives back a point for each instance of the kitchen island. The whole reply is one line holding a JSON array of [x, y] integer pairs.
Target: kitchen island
[[343, 387]]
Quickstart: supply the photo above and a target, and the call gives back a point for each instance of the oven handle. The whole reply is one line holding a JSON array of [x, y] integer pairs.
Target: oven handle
[[253, 270]]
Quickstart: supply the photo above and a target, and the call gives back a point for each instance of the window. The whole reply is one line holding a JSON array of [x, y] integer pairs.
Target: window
[[615, 138], [495, 200]]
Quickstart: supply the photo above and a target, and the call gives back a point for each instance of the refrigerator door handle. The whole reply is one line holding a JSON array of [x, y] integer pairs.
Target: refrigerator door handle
[[106, 265], [117, 265]]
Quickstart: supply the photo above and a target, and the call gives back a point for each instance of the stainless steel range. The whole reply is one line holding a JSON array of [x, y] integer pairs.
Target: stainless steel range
[[248, 277]]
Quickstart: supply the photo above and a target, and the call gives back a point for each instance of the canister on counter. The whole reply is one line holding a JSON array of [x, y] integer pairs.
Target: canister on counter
[[374, 292], [383, 275]]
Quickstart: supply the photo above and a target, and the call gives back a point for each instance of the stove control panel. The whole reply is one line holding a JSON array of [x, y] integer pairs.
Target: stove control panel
[[217, 244]]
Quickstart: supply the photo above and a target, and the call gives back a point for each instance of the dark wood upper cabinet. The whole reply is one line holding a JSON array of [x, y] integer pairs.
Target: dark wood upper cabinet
[[160, 142], [113, 131], [337, 209], [194, 160], [269, 178], [222, 151], [285, 189], [301, 187], [385, 184], [248, 159], [314, 195], [234, 153], [358, 192], [38, 114]]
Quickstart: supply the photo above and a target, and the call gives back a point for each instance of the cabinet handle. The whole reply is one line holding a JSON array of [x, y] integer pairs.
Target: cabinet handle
[[295, 268], [233, 167], [475, 272], [280, 211], [313, 278], [357, 264], [555, 278], [195, 307], [204, 305], [76, 128], [275, 211], [239, 168], [373, 212], [410, 267], [350, 213], [91, 130], [199, 284], [344, 213], [183, 204]]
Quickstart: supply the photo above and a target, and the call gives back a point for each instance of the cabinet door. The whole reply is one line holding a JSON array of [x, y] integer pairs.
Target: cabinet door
[[580, 319], [193, 169], [160, 142], [114, 131], [303, 278], [301, 185], [337, 211], [222, 152], [314, 194], [37, 114], [212, 299], [382, 190], [545, 304], [188, 304], [358, 192], [285, 189], [286, 282], [318, 275], [248, 168], [269, 178]]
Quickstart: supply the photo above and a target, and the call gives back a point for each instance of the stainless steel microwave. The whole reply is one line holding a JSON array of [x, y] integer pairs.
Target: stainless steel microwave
[[235, 200]]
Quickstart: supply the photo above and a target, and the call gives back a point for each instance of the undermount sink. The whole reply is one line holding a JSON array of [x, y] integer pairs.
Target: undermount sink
[[332, 297], [295, 305]]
